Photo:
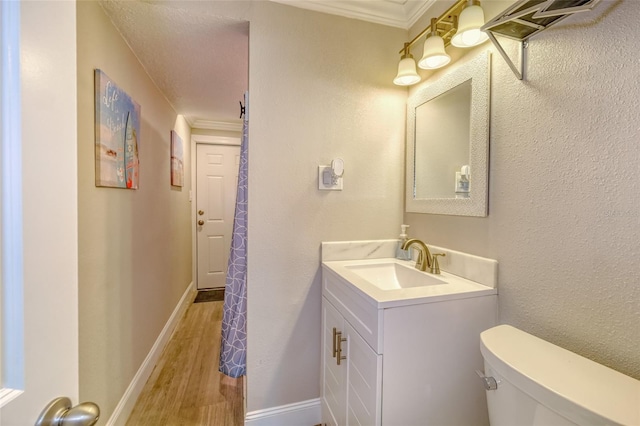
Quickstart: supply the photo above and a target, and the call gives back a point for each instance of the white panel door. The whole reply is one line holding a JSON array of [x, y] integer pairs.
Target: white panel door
[[40, 346], [216, 186]]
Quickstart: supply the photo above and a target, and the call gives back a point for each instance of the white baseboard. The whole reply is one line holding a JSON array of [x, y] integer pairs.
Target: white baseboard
[[304, 413], [128, 400]]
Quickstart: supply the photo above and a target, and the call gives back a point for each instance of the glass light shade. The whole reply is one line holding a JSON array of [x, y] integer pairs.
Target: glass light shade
[[407, 74], [468, 33], [434, 55]]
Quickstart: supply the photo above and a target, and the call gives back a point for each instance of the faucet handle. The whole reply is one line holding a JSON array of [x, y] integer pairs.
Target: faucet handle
[[435, 266]]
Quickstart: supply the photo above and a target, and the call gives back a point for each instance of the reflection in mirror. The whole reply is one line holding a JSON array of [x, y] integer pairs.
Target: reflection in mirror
[[442, 143], [448, 143]]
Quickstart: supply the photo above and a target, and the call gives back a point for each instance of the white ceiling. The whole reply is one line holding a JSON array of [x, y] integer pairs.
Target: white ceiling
[[198, 56]]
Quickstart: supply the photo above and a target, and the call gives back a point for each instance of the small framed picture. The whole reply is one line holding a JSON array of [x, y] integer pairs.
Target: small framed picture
[[117, 122], [177, 160]]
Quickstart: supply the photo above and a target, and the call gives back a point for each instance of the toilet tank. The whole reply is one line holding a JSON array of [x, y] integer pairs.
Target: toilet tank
[[542, 384]]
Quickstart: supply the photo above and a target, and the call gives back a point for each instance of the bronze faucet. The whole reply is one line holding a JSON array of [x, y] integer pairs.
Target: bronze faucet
[[425, 259]]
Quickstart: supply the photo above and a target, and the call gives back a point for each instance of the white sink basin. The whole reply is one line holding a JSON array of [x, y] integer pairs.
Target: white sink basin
[[393, 276], [389, 282]]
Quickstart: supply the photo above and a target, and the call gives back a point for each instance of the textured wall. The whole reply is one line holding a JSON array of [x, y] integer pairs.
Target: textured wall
[[320, 88], [564, 212], [134, 246]]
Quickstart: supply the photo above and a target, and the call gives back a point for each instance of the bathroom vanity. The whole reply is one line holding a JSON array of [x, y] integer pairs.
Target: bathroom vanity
[[400, 346]]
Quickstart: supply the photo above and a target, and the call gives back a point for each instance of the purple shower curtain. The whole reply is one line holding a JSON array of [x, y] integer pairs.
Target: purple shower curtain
[[233, 348]]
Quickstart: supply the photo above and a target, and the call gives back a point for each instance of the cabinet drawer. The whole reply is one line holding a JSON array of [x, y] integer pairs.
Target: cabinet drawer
[[363, 316]]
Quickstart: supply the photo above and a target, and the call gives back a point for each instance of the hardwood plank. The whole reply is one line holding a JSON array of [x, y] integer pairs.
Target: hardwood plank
[[185, 387]]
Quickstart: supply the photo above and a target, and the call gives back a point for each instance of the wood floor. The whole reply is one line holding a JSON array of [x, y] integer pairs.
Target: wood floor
[[185, 388]]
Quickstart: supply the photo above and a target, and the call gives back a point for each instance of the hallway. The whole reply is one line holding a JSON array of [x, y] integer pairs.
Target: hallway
[[186, 388]]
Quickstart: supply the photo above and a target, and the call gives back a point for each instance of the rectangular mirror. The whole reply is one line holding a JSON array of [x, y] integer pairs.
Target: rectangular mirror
[[448, 143]]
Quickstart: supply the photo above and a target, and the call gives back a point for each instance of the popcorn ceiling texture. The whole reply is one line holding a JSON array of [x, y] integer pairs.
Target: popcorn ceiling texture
[[564, 209], [200, 79]]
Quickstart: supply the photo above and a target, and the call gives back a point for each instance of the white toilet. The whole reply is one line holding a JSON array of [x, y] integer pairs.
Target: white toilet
[[541, 384]]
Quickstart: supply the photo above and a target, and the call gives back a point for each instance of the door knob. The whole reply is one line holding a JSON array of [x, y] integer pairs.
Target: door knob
[[59, 412], [201, 222], [200, 212]]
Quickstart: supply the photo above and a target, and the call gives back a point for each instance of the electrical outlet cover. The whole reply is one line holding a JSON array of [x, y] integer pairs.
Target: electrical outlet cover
[[326, 184]]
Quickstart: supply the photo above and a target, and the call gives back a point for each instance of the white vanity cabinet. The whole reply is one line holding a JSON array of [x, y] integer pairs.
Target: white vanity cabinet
[[408, 361], [351, 373]]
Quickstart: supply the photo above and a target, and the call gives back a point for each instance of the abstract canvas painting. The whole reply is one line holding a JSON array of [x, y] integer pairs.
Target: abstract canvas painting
[[177, 160], [117, 124]]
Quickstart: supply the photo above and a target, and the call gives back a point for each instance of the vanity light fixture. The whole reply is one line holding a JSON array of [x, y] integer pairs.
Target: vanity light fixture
[[438, 36], [468, 33], [463, 26], [434, 55], [407, 74]]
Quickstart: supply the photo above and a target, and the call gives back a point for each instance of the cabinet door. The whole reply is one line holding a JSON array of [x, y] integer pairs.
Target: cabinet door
[[334, 376], [364, 381]]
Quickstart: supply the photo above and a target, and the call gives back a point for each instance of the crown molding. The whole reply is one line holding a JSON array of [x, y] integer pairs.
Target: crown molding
[[394, 13], [416, 10]]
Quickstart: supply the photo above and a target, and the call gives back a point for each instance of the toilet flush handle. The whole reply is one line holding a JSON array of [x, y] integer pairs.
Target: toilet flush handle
[[490, 383]]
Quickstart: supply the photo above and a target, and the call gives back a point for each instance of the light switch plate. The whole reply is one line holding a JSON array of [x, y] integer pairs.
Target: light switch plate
[[329, 185]]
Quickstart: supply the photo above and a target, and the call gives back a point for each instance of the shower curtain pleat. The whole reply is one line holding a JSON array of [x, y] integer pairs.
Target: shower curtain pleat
[[233, 347]]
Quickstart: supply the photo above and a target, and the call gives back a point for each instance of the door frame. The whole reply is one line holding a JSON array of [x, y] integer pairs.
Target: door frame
[[204, 140]]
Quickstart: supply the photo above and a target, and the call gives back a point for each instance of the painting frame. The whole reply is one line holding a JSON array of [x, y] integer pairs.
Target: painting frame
[[177, 160], [117, 135]]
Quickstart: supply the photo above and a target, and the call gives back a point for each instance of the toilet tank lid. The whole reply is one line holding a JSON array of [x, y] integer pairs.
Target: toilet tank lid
[[553, 376]]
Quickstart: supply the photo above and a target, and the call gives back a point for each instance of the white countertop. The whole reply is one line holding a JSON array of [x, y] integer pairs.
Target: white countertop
[[455, 288]]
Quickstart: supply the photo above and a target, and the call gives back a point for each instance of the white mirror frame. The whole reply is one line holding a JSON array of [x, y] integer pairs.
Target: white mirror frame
[[479, 71]]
